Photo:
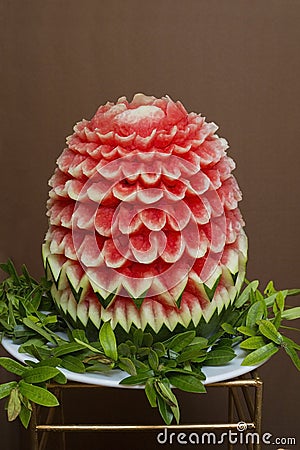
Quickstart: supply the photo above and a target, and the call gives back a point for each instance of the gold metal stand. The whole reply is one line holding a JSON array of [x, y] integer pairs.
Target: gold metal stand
[[244, 415]]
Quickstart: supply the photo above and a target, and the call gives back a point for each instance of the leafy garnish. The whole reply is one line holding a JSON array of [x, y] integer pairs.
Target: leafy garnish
[[29, 317]]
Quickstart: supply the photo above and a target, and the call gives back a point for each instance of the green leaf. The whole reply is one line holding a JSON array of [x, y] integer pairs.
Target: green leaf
[[151, 392], [290, 343], [5, 389], [73, 364], [124, 349], [138, 337], [199, 340], [140, 378], [142, 351], [14, 405], [60, 378], [255, 313], [99, 367], [198, 361], [237, 340], [270, 288], [133, 348], [11, 315], [191, 352], [127, 365], [25, 416], [176, 412], [36, 301], [140, 366], [12, 366], [49, 362], [280, 301], [172, 398], [88, 346], [219, 357], [165, 392], [277, 320], [34, 341], [4, 326], [25, 401], [30, 363], [260, 355], [228, 328], [258, 296], [39, 353], [153, 359], [289, 328], [27, 277], [224, 342], [268, 330], [40, 374], [180, 341], [246, 330], [293, 292], [293, 355], [21, 330], [4, 267], [159, 348], [187, 382], [245, 295], [108, 341], [269, 301], [291, 314], [79, 335], [147, 340], [67, 348], [38, 394], [38, 329], [164, 410], [34, 318], [50, 319], [200, 375], [253, 343], [10, 269]]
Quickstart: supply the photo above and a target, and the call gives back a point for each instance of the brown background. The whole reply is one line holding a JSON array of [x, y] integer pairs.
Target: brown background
[[236, 61]]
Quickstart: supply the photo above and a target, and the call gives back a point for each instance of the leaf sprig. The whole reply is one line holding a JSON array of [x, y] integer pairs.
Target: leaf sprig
[[28, 316], [260, 319]]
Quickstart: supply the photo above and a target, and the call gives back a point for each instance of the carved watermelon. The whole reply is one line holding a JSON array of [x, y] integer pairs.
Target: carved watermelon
[[145, 229]]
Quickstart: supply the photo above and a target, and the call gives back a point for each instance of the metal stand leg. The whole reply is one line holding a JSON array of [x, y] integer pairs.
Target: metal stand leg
[[230, 412], [34, 440], [62, 419], [258, 409], [240, 405]]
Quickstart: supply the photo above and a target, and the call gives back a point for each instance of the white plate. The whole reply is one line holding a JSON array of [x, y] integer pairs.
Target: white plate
[[112, 378]]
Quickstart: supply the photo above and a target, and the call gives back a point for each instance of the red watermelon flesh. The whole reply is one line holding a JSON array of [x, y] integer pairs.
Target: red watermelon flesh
[[144, 225]]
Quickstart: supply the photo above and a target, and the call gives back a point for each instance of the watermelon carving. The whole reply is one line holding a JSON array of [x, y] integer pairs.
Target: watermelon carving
[[145, 229]]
